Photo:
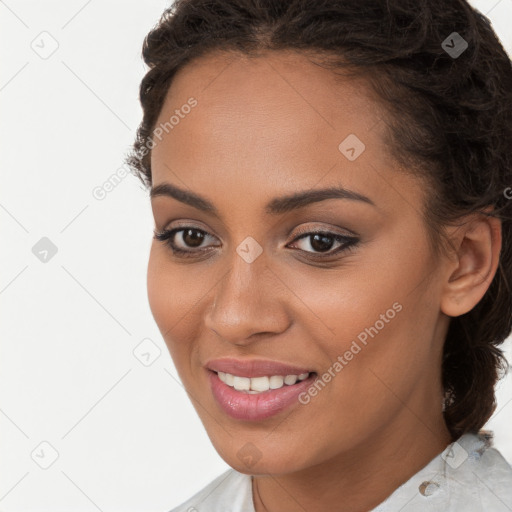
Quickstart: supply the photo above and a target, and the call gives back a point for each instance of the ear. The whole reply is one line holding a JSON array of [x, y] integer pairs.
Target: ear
[[477, 246]]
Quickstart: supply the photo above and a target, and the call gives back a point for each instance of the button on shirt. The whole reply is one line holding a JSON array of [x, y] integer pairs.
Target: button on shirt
[[468, 476]]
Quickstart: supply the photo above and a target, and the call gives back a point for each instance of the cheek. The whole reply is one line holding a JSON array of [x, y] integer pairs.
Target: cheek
[[338, 306], [387, 350], [173, 289], [171, 296], [177, 295], [158, 287], [378, 314]]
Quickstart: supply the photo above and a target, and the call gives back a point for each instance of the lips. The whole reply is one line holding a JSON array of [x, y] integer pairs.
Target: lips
[[240, 405], [255, 367]]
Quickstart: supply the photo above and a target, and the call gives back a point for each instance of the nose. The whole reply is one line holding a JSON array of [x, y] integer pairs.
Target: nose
[[248, 302]]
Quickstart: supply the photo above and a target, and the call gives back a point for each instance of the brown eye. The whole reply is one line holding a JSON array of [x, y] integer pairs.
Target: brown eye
[[189, 239], [190, 242], [193, 237], [322, 242]]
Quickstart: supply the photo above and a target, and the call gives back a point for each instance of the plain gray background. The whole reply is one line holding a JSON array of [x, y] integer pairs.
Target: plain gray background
[[85, 424]]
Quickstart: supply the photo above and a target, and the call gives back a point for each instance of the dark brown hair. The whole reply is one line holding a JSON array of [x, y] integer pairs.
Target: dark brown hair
[[449, 122]]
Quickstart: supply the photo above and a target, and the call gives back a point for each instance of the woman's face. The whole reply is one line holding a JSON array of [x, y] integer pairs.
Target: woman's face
[[361, 311]]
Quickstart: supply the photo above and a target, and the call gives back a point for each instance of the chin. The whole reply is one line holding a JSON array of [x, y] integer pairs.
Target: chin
[[253, 461], [262, 468]]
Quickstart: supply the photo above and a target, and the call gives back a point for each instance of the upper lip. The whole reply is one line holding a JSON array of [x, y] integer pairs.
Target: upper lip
[[254, 367]]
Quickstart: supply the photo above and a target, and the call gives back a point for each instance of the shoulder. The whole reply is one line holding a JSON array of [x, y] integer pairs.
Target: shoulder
[[468, 476], [229, 492], [487, 471]]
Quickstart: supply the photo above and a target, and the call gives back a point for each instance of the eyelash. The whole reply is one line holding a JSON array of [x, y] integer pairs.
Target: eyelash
[[166, 236]]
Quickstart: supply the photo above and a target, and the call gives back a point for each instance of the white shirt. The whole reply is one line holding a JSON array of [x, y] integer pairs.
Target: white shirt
[[468, 476]]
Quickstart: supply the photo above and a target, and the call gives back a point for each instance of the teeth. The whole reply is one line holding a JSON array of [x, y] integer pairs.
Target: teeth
[[290, 379], [242, 383], [276, 381], [260, 384]]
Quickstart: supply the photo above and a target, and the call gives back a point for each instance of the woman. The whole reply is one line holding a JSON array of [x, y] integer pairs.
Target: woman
[[330, 183]]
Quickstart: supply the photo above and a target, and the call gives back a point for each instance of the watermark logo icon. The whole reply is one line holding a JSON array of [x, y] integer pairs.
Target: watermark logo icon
[[249, 454], [44, 455], [45, 45], [454, 455], [352, 147], [249, 249], [44, 250], [147, 352], [454, 45]]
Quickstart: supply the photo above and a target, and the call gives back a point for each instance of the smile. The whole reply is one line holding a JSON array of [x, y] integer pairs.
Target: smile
[[256, 385], [260, 397]]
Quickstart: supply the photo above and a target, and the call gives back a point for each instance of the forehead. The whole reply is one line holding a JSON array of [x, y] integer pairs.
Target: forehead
[[272, 88], [277, 119]]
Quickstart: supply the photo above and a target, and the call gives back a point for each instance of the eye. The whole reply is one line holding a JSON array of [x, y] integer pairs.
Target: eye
[[190, 241], [190, 238], [321, 242]]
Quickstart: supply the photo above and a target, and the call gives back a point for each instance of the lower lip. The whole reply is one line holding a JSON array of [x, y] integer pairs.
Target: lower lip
[[255, 407]]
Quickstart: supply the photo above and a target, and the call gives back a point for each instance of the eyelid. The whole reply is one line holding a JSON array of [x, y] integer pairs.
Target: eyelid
[[329, 230], [300, 231], [347, 242]]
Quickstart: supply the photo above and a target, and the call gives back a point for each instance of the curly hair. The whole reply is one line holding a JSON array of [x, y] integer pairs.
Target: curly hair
[[449, 121]]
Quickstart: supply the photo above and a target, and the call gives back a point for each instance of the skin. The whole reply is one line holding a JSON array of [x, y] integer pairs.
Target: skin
[[268, 127]]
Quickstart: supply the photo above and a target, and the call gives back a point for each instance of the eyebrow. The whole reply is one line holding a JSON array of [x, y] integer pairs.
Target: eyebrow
[[276, 206]]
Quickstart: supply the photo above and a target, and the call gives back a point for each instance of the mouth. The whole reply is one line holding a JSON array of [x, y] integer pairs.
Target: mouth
[[257, 398]]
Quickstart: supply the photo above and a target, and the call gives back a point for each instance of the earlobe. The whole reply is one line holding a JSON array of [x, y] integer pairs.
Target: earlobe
[[478, 246]]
